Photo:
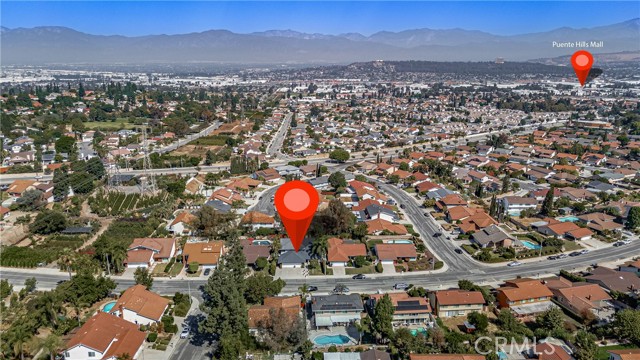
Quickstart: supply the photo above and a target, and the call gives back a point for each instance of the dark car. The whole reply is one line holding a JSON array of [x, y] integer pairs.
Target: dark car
[[437, 234], [61, 282], [359, 277], [207, 272], [401, 206], [552, 257], [575, 253], [618, 243], [426, 214], [312, 288], [459, 251]]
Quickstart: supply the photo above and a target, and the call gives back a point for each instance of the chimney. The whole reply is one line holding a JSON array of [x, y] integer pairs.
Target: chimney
[[121, 310]]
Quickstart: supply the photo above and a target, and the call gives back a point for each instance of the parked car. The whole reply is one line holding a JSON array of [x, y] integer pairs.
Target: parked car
[[184, 334], [458, 250], [626, 241], [426, 214], [584, 251], [359, 277], [618, 243], [400, 286], [340, 289], [562, 256], [514, 263], [312, 288], [552, 257], [575, 253], [437, 234], [402, 206], [207, 272], [61, 282]]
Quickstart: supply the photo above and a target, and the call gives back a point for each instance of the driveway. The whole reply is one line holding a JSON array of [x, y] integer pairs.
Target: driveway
[[388, 269]]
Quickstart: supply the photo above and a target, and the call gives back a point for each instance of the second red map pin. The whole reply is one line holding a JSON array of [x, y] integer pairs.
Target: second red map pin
[[296, 202], [582, 61]]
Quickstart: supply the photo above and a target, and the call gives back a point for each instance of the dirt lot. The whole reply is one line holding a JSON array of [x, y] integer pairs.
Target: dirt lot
[[195, 150], [233, 128]]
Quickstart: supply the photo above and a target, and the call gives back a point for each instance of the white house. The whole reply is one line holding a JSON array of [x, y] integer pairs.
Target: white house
[[516, 204]]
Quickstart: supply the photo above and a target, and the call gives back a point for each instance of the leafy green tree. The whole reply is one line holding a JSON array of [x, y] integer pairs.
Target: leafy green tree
[[48, 222], [586, 347], [551, 320], [359, 231], [96, 168], [282, 331], [479, 320], [626, 325], [339, 155], [52, 344], [214, 224], [633, 218], [143, 277], [5, 289], [81, 182], [547, 203], [382, 318], [230, 346], [320, 247], [260, 285], [31, 200], [337, 180], [30, 284], [65, 144], [60, 185]]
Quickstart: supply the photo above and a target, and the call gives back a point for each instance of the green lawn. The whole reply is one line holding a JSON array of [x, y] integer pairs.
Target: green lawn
[[604, 355], [571, 245], [319, 271], [175, 269], [159, 269], [119, 123], [369, 269]]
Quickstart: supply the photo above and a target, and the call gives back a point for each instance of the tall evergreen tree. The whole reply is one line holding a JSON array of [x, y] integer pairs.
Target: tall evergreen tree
[[493, 208], [547, 204], [382, 317]]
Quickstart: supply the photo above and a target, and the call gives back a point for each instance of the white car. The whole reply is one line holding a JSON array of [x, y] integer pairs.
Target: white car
[[184, 334], [626, 241], [514, 263]]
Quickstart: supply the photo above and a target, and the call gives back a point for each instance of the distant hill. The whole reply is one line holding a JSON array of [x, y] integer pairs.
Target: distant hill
[[50, 44], [625, 56]]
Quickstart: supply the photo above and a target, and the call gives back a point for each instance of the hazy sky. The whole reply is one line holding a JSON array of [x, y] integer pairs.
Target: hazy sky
[[174, 17]]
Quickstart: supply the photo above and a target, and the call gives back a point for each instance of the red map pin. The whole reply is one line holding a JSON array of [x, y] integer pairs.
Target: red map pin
[[582, 61], [296, 202]]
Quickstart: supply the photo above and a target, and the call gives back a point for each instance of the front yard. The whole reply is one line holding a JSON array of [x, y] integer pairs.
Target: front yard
[[367, 269]]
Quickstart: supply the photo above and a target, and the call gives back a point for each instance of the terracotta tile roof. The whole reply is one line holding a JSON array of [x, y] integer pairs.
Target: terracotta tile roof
[[259, 314], [255, 217], [362, 204], [184, 217], [341, 252], [395, 251], [20, 186], [582, 295], [459, 297], [3, 210], [374, 226], [580, 233], [143, 302], [460, 212], [100, 331], [562, 228], [547, 351], [203, 253], [453, 200], [426, 186], [253, 252], [524, 289], [627, 354], [160, 246], [142, 256]]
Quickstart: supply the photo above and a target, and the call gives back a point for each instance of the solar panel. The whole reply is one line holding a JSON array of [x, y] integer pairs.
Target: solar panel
[[410, 305]]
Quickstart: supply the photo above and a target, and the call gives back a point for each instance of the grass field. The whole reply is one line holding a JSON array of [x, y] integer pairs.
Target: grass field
[[120, 123], [369, 269]]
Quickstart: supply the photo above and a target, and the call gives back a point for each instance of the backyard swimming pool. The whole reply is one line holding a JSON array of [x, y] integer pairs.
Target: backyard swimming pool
[[567, 218], [108, 306], [422, 331], [530, 245], [261, 242], [399, 242], [331, 340]]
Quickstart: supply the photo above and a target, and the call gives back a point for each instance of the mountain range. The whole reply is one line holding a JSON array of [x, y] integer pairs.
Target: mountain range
[[61, 45]]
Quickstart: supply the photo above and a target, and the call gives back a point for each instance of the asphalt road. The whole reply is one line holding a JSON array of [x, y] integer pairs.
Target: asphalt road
[[278, 139], [188, 139]]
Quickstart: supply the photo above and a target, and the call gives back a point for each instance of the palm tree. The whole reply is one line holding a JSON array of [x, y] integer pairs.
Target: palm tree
[[51, 344], [319, 247], [19, 337], [66, 260]]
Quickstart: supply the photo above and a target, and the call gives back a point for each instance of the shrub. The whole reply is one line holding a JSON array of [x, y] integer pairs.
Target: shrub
[[173, 328], [438, 265], [272, 268], [333, 348], [152, 337], [379, 267], [261, 263], [181, 309]]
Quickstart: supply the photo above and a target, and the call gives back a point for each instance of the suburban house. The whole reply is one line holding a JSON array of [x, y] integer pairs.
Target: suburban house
[[290, 258], [632, 267], [252, 252], [624, 354], [206, 254], [257, 220], [581, 297], [336, 310], [259, 315], [140, 306], [450, 303], [513, 205], [614, 280], [105, 337], [525, 297], [161, 250], [340, 252], [389, 253], [407, 309], [18, 187], [181, 225], [492, 236], [600, 222], [379, 226], [565, 229]]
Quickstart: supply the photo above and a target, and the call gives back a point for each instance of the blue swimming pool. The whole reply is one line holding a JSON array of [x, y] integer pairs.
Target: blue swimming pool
[[331, 340], [108, 306], [530, 245], [502, 355], [261, 242], [422, 331], [399, 242], [567, 218]]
